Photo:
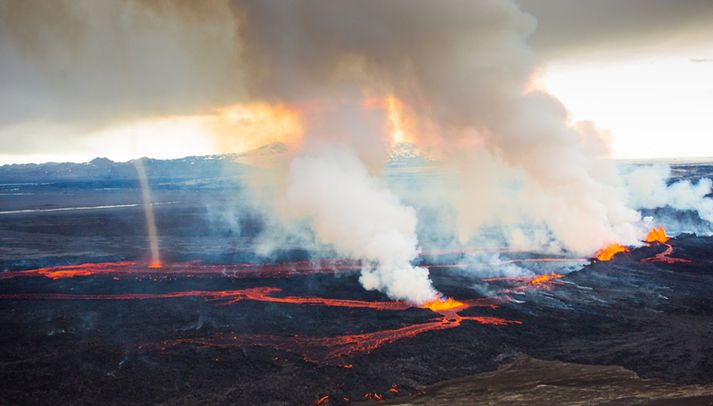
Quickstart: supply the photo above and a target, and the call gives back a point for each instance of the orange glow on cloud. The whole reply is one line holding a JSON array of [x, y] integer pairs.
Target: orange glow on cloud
[[395, 111], [243, 127], [228, 129]]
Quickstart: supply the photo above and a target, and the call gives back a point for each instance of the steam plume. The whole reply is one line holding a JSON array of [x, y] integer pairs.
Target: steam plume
[[151, 229], [355, 212], [648, 189], [463, 69]]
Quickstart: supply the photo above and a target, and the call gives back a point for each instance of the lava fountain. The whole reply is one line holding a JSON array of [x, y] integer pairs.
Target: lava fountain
[[608, 252], [657, 235]]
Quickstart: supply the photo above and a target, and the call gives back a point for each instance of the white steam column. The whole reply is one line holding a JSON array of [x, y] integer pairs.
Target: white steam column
[[149, 214]]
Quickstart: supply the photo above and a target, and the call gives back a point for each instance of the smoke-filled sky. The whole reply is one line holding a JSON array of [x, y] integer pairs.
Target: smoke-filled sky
[[168, 78], [522, 102]]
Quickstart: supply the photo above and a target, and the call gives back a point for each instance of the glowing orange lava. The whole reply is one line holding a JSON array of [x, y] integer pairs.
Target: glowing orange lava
[[545, 278], [329, 350], [607, 253], [666, 257], [189, 269], [439, 304], [321, 401], [319, 350], [196, 269], [373, 396], [657, 235], [260, 294], [522, 283]]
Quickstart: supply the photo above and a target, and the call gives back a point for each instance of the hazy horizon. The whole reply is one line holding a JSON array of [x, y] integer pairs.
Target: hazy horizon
[[639, 70]]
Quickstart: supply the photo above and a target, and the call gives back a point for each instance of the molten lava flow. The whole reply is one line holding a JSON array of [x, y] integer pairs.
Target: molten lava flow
[[666, 257], [607, 253], [71, 271], [545, 278], [258, 294], [195, 269], [373, 396], [329, 350], [321, 401], [657, 235], [261, 294], [332, 350], [190, 269], [518, 284], [439, 304]]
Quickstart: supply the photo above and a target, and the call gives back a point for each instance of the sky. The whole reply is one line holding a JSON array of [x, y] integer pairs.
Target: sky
[[641, 69], [124, 79]]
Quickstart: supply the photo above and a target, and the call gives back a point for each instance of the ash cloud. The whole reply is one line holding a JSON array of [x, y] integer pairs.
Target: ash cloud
[[462, 69], [465, 68], [76, 65], [573, 27]]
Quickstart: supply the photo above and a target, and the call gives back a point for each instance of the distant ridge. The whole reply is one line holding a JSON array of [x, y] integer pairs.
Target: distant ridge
[[104, 169], [213, 166]]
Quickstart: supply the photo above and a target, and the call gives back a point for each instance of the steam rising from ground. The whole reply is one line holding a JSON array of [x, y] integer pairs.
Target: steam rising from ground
[[151, 230], [462, 72], [355, 213], [463, 69], [648, 189]]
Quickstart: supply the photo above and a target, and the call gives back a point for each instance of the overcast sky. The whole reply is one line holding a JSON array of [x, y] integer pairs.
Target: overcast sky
[[86, 78], [643, 69]]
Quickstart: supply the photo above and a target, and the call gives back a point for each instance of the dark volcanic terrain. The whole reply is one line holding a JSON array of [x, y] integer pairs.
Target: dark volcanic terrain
[[534, 382], [221, 324]]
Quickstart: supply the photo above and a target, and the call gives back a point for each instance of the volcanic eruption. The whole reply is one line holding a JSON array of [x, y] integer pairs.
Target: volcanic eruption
[[393, 200], [329, 181], [352, 85]]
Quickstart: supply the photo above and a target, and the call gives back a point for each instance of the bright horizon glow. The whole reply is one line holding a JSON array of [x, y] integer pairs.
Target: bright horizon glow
[[654, 108], [229, 129], [159, 138]]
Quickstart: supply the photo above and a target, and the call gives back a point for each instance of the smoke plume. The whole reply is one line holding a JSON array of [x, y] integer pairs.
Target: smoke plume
[[461, 71], [355, 213], [649, 189]]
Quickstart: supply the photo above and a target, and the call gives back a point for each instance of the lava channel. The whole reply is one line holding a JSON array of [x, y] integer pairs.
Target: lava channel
[[665, 256], [260, 294], [189, 269], [331, 350]]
